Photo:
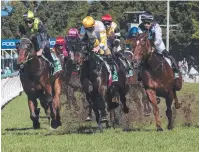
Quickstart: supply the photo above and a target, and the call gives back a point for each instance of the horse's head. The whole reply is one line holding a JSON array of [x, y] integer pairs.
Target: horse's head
[[85, 49], [25, 51], [141, 50]]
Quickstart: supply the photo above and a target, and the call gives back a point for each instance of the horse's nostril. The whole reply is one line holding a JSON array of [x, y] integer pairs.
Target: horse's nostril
[[135, 65], [21, 66]]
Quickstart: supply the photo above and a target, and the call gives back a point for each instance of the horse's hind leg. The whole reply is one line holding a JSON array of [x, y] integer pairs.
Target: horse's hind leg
[[169, 100], [56, 105], [177, 104], [152, 98], [34, 113]]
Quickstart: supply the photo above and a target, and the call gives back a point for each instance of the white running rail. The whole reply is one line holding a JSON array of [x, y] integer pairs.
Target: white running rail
[[10, 88]]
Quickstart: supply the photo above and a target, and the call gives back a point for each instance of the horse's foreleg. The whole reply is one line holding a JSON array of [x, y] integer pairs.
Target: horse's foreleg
[[56, 105], [45, 105], [34, 113], [152, 98], [123, 100], [98, 118], [100, 101], [49, 100], [169, 100], [88, 99]]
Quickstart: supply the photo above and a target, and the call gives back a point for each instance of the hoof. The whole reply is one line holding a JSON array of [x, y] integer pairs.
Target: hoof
[[170, 127], [159, 129], [177, 105], [104, 119], [100, 128], [113, 105], [146, 114], [55, 124], [88, 118], [126, 110], [36, 125]]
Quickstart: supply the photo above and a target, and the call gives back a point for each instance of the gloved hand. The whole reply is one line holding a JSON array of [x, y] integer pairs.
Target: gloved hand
[[96, 49], [101, 46]]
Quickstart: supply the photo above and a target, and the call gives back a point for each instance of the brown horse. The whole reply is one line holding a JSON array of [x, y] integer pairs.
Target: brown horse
[[70, 77], [38, 83], [157, 77]]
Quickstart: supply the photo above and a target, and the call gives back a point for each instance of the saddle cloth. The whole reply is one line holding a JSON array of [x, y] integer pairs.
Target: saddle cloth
[[57, 63]]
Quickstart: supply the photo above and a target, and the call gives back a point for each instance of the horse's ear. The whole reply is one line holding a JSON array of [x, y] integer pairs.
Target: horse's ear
[[17, 45]]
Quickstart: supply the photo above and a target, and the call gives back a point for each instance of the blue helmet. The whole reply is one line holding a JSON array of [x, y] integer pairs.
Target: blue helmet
[[133, 31]]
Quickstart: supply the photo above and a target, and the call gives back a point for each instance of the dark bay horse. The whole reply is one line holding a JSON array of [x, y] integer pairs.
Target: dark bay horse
[[95, 81], [37, 83], [157, 77]]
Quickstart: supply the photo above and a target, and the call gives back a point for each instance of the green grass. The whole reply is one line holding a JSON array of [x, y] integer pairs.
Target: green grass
[[18, 135]]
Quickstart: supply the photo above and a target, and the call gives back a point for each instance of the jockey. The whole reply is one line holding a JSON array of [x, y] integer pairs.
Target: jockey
[[60, 46], [155, 34], [112, 32], [133, 33], [35, 28], [95, 30], [72, 38]]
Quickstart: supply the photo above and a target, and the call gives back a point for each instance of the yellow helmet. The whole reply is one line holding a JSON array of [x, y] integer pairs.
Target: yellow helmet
[[29, 15], [88, 22]]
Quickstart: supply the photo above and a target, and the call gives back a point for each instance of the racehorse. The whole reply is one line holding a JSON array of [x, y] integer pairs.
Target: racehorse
[[37, 82], [69, 77], [157, 77], [95, 80]]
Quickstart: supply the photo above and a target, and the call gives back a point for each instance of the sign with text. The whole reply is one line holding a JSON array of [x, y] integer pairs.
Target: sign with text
[[11, 43]]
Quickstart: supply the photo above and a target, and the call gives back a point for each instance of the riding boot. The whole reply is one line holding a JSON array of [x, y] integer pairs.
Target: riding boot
[[50, 58], [48, 55], [173, 61], [174, 64], [110, 61]]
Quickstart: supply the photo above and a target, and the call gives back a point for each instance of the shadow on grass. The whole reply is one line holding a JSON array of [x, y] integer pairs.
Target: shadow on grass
[[43, 117], [80, 130], [21, 129], [18, 129], [22, 133], [137, 130]]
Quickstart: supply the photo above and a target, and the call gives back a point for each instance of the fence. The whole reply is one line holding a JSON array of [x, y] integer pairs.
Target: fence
[[191, 78], [10, 88]]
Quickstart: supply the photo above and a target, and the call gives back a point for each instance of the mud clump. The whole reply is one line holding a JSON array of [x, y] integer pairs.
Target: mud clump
[[188, 114]]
